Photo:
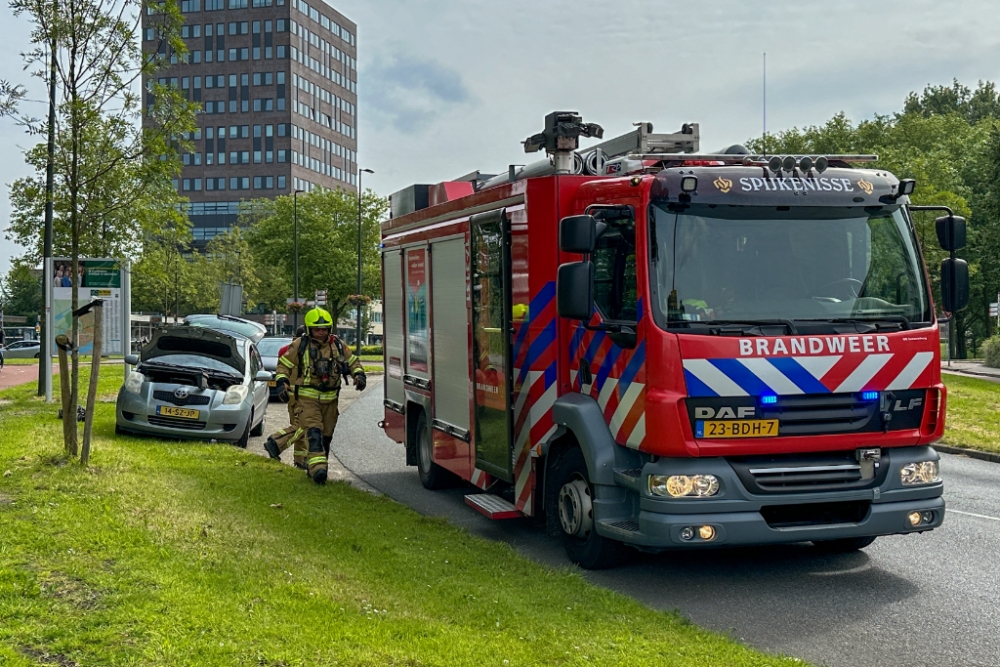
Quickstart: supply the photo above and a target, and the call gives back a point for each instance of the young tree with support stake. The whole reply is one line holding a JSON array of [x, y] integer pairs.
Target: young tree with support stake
[[110, 162]]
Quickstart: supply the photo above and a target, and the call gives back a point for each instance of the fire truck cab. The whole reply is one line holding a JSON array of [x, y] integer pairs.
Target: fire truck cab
[[653, 347]]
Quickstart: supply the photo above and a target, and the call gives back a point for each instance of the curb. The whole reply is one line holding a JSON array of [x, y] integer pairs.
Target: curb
[[970, 453]]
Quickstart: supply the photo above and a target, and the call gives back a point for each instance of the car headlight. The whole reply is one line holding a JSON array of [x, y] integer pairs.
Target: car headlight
[[133, 384], [679, 486], [235, 394], [925, 472]]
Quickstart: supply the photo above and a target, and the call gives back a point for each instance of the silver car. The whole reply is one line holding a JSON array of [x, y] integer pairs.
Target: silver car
[[193, 382], [23, 349]]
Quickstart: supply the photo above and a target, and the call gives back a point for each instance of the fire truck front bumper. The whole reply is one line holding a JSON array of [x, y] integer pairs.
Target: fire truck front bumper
[[736, 516]]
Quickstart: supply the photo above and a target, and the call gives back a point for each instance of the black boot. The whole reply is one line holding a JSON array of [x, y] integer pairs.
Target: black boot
[[271, 447]]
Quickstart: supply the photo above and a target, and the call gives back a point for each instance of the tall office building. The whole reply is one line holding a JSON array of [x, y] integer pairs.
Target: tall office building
[[277, 81]]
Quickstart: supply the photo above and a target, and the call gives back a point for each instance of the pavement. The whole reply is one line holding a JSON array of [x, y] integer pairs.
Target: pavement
[[966, 367]]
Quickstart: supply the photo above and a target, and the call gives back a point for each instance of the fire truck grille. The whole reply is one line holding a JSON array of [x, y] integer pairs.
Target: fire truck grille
[[815, 514], [804, 473], [816, 414]]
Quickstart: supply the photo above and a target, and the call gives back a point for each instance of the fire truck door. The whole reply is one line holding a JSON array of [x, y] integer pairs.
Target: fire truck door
[[491, 311]]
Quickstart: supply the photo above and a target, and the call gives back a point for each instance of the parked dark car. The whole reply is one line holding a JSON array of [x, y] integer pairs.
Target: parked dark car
[[252, 330], [269, 348]]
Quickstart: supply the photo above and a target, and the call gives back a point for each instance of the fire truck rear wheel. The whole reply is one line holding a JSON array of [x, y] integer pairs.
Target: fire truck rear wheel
[[576, 515], [432, 476], [846, 545]]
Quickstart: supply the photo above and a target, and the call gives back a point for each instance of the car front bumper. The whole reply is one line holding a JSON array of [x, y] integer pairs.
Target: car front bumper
[[137, 414]]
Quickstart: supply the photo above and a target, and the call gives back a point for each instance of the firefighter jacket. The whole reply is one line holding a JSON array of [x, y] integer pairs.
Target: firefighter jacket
[[315, 369]]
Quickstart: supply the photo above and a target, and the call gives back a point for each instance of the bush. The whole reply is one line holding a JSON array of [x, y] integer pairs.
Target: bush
[[991, 351], [371, 349]]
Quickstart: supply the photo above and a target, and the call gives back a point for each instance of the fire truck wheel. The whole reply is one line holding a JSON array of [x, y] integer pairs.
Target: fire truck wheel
[[576, 515], [846, 545], [432, 476]]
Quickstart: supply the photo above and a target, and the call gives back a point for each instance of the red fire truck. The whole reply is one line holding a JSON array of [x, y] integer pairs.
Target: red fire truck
[[653, 347]]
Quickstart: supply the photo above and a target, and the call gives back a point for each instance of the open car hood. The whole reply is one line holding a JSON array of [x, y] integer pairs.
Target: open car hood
[[194, 340]]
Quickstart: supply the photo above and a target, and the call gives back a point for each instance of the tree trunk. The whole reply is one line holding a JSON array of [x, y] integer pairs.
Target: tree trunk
[[95, 367]]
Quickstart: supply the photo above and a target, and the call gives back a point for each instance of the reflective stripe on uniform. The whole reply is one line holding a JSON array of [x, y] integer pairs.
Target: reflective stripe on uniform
[[316, 459], [321, 396]]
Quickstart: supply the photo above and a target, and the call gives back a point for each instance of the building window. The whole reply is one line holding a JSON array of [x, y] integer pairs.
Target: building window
[[281, 183], [188, 6], [282, 156], [237, 4], [209, 158], [269, 156], [282, 52], [245, 157]]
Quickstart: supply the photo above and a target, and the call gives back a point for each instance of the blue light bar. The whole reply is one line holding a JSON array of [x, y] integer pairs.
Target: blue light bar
[[869, 396], [768, 400]]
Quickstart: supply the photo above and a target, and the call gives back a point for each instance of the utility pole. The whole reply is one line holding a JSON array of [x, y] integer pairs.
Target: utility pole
[[295, 253], [45, 363], [357, 310]]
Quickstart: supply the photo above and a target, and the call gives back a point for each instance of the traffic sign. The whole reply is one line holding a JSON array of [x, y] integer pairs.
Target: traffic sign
[[995, 309]]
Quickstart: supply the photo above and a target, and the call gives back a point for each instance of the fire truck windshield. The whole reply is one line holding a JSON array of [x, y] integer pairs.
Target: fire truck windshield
[[754, 264]]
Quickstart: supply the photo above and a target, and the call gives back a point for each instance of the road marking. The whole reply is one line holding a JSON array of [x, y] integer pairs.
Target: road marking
[[978, 516]]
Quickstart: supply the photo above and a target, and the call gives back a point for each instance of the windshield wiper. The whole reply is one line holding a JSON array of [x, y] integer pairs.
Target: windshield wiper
[[901, 322], [735, 327]]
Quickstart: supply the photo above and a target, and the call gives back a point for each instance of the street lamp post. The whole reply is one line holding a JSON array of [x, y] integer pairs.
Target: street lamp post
[[357, 310], [295, 252]]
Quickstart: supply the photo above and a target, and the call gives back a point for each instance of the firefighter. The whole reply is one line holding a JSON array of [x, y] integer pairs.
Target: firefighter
[[291, 435], [312, 368]]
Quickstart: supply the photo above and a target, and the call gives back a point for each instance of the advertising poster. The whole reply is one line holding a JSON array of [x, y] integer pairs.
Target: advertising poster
[[97, 279], [417, 339]]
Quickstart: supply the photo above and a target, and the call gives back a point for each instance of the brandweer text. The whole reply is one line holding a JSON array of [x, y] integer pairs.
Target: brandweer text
[[813, 345]]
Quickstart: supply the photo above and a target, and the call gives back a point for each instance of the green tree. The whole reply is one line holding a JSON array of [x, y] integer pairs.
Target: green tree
[[110, 161], [327, 244], [21, 292]]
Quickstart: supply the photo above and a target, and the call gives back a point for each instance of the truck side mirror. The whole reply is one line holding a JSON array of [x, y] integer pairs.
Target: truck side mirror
[[951, 232], [954, 283], [575, 290], [578, 233]]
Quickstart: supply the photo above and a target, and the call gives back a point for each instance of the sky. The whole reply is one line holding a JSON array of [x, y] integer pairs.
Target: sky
[[447, 87]]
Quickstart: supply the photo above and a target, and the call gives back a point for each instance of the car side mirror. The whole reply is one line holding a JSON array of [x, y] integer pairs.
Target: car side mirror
[[578, 233], [951, 232], [575, 290], [263, 376], [954, 284], [132, 359]]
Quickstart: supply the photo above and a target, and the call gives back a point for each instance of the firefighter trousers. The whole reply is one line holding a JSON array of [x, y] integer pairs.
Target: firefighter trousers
[[317, 417], [292, 435]]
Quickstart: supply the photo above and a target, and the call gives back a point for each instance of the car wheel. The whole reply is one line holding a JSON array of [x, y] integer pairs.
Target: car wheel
[[118, 430], [245, 438], [258, 430], [576, 515], [843, 546], [432, 476]]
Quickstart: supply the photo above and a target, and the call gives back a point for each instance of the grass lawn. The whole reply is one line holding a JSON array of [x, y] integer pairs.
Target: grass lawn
[[167, 553], [370, 357], [973, 417]]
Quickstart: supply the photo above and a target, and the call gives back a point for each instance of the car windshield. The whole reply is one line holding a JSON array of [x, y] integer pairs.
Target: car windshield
[[194, 362], [755, 263], [269, 347]]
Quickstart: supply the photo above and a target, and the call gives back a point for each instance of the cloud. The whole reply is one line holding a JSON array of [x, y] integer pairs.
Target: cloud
[[408, 92]]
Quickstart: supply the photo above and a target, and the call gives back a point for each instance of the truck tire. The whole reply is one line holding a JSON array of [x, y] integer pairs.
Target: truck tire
[[576, 515], [432, 476], [843, 546]]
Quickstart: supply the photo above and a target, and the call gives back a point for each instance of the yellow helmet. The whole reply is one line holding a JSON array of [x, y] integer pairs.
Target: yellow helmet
[[318, 318]]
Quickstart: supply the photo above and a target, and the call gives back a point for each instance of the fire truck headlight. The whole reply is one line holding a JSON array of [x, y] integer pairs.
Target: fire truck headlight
[[914, 474], [679, 486]]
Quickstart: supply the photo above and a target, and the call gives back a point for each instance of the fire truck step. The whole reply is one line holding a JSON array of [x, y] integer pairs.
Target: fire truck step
[[492, 506]]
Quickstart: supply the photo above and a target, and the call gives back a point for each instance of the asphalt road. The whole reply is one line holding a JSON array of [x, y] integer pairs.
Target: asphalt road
[[906, 601]]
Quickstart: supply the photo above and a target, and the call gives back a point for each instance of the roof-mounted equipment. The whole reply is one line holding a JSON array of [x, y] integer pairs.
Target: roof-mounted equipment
[[561, 138]]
